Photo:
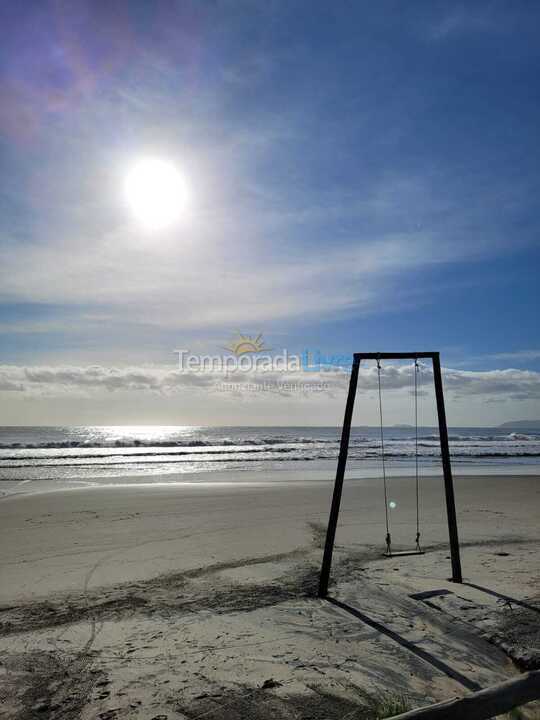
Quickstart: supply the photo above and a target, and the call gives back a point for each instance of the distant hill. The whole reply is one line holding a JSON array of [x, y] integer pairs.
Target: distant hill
[[521, 424]]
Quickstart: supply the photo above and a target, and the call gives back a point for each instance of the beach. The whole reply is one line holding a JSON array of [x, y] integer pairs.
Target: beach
[[254, 254], [183, 597]]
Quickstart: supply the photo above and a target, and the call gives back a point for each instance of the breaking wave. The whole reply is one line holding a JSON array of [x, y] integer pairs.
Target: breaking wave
[[151, 450]]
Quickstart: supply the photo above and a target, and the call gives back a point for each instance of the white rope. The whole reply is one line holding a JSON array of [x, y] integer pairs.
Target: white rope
[[388, 538], [416, 372]]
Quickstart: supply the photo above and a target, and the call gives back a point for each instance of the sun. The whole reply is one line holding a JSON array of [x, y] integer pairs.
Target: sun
[[156, 192]]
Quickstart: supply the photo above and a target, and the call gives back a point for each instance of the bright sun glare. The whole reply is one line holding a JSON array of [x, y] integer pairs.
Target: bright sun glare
[[156, 193]]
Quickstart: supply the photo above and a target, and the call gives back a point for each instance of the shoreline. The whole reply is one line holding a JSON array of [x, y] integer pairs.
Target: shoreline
[[296, 473]]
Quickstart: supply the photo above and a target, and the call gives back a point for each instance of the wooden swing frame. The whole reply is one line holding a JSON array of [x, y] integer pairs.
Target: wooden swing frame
[[344, 451]]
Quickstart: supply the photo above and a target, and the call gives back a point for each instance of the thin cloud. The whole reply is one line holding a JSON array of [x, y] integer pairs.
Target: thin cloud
[[518, 355], [219, 269], [464, 18]]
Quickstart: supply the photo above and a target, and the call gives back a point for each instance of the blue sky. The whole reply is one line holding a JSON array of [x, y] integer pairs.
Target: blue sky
[[363, 176]]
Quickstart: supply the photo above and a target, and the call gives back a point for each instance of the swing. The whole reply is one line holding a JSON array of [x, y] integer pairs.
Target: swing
[[342, 465], [388, 540]]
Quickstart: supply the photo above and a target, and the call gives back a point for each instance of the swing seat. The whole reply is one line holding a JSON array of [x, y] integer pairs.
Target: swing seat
[[401, 553]]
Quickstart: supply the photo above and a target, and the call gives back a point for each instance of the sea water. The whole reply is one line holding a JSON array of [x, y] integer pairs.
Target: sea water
[[38, 453]]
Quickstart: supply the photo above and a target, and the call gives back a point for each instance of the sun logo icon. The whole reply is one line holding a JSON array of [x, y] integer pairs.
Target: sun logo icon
[[244, 344]]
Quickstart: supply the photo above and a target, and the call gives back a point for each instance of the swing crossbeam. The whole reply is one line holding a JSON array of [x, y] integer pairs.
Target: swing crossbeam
[[395, 356], [342, 463]]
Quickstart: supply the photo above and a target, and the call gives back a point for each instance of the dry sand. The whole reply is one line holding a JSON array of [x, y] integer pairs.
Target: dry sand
[[198, 600]]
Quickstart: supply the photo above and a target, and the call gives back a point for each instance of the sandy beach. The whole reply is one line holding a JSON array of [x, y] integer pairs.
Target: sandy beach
[[149, 600], [243, 244]]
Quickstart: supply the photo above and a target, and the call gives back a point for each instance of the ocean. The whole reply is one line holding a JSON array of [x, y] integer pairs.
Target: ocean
[[86, 452]]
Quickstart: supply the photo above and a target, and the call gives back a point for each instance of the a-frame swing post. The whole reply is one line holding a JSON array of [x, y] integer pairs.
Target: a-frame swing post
[[344, 449], [338, 486], [447, 472]]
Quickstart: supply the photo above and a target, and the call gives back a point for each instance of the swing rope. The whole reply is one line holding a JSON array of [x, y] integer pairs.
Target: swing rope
[[388, 538], [416, 371]]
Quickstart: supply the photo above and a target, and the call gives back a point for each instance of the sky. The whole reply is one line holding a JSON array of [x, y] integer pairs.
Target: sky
[[362, 177]]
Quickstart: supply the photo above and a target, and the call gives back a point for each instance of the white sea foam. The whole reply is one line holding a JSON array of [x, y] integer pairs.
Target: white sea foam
[[55, 452]]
